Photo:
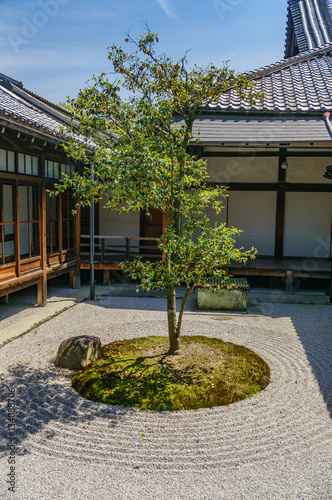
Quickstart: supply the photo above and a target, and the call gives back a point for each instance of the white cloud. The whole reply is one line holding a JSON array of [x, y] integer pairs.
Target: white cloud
[[168, 8]]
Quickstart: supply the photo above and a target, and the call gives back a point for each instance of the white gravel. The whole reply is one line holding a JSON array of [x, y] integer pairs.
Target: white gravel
[[276, 445]]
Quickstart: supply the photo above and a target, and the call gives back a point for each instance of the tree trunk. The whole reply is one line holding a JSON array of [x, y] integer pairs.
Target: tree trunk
[[186, 295], [174, 340]]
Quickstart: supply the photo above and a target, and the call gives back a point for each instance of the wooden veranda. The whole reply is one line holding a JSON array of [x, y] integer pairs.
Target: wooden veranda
[[111, 250]]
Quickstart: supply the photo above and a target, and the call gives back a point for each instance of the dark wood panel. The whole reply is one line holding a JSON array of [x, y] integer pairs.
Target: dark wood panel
[[53, 259], [30, 265], [85, 219], [251, 186], [8, 272]]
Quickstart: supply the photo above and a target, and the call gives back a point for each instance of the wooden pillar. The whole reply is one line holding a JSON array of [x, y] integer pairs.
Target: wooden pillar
[[281, 200], [127, 248], [106, 277], [102, 257], [75, 275], [42, 283], [17, 230], [163, 257], [5, 299], [289, 281], [42, 291], [60, 226]]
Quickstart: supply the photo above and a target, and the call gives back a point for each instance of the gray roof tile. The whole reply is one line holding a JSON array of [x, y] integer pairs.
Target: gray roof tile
[[16, 109], [17, 105], [219, 129], [20, 106], [300, 84], [311, 23]]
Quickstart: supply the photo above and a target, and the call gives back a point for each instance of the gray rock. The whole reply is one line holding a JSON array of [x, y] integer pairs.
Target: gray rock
[[78, 352]]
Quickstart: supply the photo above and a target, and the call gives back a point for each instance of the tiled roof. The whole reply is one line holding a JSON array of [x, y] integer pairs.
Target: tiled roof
[[18, 106], [221, 130], [309, 25], [300, 84]]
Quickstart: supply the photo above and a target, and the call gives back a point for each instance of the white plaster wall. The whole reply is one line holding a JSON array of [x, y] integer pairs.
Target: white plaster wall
[[308, 225], [113, 224], [255, 213], [248, 169], [307, 170]]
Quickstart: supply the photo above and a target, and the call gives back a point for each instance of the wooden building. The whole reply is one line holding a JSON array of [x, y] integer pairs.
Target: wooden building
[[272, 155], [39, 236]]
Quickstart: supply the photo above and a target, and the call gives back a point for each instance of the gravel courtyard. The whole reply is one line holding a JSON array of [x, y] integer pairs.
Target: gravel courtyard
[[276, 445]]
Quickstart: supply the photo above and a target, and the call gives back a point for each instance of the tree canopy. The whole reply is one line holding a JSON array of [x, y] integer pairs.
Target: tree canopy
[[140, 120]]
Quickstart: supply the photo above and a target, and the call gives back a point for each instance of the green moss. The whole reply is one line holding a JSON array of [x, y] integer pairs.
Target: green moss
[[140, 373]]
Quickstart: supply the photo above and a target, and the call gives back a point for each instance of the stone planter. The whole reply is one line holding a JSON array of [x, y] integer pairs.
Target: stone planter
[[229, 295]]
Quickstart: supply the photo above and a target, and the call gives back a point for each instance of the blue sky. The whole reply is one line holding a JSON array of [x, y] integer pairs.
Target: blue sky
[[55, 46]]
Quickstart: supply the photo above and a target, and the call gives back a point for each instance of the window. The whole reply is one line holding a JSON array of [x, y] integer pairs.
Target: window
[[7, 161], [27, 164], [53, 170], [67, 221], [67, 170], [28, 222], [7, 248], [52, 224]]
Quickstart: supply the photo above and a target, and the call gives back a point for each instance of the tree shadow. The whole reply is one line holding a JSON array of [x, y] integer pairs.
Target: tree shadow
[[313, 325], [147, 301], [30, 399], [145, 378]]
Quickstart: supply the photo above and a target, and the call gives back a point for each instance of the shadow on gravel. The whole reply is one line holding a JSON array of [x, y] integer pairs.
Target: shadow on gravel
[[130, 300], [26, 300], [313, 325], [30, 399]]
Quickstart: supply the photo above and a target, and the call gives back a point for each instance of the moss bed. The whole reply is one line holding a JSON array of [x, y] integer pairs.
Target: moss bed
[[140, 373]]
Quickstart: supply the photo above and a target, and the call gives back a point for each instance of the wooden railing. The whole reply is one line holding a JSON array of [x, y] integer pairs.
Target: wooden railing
[[118, 248]]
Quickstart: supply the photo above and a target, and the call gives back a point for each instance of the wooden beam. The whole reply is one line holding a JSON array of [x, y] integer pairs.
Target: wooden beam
[[16, 229], [287, 187], [141, 224], [263, 154], [42, 291], [280, 224], [236, 154], [257, 272], [289, 281], [246, 186], [60, 225], [42, 284], [111, 266], [106, 277], [75, 277], [280, 209], [77, 272], [20, 177], [54, 272], [17, 284]]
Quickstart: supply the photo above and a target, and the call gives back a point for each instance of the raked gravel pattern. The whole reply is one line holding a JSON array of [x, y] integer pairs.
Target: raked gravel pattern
[[275, 445]]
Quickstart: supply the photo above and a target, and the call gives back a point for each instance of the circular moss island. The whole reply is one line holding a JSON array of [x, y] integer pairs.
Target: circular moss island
[[141, 373]]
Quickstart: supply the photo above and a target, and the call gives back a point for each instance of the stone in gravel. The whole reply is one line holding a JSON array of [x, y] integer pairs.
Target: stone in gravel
[[78, 352]]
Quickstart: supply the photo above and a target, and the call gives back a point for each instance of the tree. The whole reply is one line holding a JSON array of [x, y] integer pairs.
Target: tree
[[141, 161]]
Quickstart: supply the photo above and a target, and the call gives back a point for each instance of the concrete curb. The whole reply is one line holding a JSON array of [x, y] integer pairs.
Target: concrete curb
[[40, 315]]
